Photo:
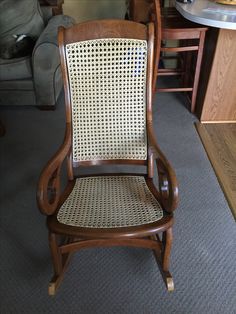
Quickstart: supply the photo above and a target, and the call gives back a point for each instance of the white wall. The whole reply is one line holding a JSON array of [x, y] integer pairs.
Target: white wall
[[83, 10]]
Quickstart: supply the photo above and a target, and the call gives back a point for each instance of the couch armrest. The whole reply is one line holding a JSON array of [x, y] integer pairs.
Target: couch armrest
[[46, 62]]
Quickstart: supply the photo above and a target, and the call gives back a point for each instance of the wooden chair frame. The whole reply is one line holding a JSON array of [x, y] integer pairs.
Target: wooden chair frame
[[65, 240]]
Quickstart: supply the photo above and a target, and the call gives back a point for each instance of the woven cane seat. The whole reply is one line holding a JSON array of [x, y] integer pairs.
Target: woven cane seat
[[110, 202]]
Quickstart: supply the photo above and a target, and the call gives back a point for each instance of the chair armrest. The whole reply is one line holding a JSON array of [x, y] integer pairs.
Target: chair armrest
[[168, 186], [48, 191], [46, 62]]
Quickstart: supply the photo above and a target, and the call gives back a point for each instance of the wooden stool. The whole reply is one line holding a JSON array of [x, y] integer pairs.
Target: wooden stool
[[188, 52], [171, 26]]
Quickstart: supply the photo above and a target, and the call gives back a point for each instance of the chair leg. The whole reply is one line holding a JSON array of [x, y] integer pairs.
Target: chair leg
[[59, 263], [167, 243], [163, 258], [197, 71], [187, 68]]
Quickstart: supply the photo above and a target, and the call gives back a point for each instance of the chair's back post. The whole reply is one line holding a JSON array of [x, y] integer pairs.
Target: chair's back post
[[61, 42], [150, 73]]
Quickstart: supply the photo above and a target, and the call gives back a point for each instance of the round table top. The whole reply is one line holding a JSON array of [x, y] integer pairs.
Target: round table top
[[209, 13]]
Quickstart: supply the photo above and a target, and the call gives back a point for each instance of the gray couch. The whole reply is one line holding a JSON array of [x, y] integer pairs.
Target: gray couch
[[33, 79]]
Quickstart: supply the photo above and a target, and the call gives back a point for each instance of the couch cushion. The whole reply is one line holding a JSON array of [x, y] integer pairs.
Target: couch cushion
[[17, 97], [20, 17], [14, 69], [15, 85]]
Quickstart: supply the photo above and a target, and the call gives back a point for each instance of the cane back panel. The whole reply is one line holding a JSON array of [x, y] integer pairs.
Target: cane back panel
[[107, 80]]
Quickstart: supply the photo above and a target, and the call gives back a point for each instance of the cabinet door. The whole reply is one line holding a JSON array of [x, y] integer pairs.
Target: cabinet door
[[220, 98]]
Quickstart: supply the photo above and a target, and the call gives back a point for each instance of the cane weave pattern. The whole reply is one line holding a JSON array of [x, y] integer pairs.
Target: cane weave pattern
[[108, 94], [110, 202]]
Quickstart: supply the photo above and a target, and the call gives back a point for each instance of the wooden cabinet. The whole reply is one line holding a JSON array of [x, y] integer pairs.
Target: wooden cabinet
[[219, 101]]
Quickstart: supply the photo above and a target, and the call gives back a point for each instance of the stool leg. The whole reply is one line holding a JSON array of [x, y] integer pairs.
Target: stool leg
[[187, 58], [197, 70]]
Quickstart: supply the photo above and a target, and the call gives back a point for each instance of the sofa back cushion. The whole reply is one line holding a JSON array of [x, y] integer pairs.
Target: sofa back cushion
[[19, 17]]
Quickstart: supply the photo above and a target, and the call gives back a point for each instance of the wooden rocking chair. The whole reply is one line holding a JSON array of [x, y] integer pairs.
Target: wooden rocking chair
[[107, 68]]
